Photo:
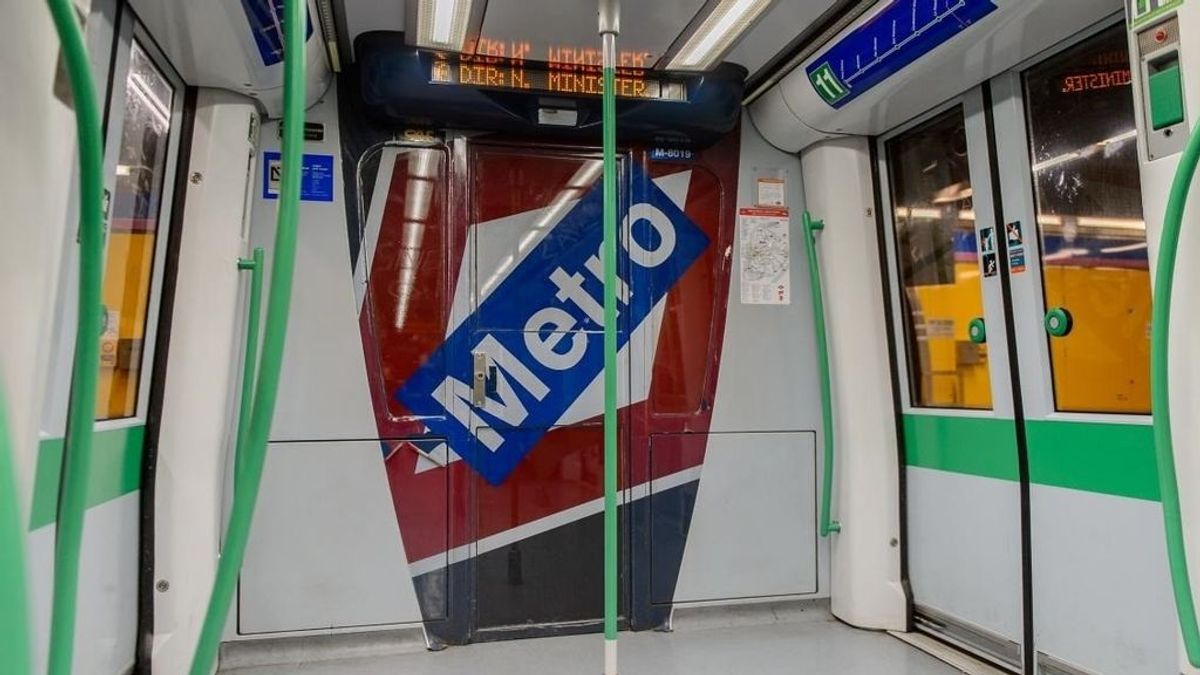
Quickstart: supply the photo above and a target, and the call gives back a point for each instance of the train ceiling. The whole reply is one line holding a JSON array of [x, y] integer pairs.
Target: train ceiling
[[648, 26]]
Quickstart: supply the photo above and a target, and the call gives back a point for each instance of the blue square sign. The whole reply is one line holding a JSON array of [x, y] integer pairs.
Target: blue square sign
[[316, 177]]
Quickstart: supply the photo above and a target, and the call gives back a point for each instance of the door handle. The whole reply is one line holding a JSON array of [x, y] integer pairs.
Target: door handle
[[479, 379], [1059, 322]]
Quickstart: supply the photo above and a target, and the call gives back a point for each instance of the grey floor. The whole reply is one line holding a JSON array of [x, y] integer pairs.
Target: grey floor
[[822, 647]]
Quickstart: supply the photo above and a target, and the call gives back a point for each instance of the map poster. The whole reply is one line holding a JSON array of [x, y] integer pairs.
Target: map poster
[[766, 258]]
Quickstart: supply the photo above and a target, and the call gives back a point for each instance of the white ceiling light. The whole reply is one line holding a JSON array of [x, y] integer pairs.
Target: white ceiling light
[[717, 33], [442, 24]]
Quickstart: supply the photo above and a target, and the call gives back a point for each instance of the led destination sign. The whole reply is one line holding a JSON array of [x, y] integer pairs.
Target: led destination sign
[[572, 79]]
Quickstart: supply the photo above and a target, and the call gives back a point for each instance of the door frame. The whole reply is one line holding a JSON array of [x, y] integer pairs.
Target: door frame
[[463, 185]]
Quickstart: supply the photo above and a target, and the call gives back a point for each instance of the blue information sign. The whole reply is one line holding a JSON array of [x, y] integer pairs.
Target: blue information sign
[[316, 177], [899, 34]]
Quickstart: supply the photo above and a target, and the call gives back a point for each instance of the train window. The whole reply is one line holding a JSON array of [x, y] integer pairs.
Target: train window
[[406, 244], [1083, 147], [679, 388], [933, 212], [133, 232]]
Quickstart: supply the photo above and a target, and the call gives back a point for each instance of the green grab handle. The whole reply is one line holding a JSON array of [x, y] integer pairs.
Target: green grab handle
[[81, 413], [252, 455], [254, 265], [14, 600], [977, 331], [1059, 322], [828, 525], [1160, 397]]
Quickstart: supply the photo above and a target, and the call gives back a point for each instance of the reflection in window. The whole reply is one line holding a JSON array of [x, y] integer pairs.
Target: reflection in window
[[407, 280], [1083, 145], [939, 264], [133, 231]]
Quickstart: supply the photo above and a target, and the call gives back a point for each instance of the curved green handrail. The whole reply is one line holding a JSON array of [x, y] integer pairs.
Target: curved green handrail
[[252, 454], [77, 452], [828, 524], [14, 601], [1160, 397]]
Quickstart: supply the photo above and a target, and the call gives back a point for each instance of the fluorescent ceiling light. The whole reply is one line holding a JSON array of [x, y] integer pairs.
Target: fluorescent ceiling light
[[717, 33], [442, 24]]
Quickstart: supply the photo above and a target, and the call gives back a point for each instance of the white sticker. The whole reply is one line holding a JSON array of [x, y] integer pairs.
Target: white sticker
[[771, 192], [766, 256]]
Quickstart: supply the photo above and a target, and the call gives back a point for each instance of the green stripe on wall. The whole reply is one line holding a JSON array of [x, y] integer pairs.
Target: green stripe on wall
[[978, 446], [1111, 459], [116, 471]]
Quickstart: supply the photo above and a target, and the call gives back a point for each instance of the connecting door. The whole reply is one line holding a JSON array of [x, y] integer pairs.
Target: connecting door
[[1021, 285], [536, 337]]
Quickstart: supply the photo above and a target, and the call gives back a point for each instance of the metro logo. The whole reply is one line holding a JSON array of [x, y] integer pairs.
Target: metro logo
[[540, 328]]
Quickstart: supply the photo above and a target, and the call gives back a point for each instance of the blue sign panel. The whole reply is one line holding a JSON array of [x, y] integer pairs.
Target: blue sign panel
[[539, 331], [901, 33], [266, 25], [316, 177]]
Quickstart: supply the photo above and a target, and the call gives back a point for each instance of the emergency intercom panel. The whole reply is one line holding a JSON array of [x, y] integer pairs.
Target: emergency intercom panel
[[1164, 103]]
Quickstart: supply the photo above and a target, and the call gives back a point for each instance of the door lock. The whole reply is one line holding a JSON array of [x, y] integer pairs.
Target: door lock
[[479, 379]]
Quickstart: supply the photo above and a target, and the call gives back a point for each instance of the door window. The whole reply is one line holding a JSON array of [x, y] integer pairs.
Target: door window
[[1083, 146], [133, 234], [933, 211]]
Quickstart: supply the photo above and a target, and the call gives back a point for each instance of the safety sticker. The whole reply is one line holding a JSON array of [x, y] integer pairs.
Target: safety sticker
[[316, 177], [987, 252], [1016, 247], [1015, 236]]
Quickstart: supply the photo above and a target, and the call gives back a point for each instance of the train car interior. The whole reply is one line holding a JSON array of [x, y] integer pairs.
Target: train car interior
[[431, 337]]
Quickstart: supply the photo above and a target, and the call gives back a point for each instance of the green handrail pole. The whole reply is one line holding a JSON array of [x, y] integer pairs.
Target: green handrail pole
[[811, 226], [254, 265], [1160, 397], [610, 26], [14, 601], [81, 415], [266, 387]]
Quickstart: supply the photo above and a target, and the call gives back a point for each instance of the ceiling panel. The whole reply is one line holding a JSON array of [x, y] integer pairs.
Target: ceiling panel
[[782, 23], [368, 15], [647, 27]]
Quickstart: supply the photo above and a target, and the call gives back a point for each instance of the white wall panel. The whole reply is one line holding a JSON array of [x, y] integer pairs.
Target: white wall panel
[[326, 551], [866, 588], [203, 373]]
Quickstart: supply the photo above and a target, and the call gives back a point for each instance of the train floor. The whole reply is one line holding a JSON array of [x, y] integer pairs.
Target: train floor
[[820, 647]]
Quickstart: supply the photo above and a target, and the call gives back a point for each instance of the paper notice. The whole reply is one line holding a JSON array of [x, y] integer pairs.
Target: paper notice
[[771, 192], [765, 256]]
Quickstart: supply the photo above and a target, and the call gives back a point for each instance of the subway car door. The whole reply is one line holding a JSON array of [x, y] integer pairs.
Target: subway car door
[[1019, 256], [1078, 268], [962, 477], [535, 337]]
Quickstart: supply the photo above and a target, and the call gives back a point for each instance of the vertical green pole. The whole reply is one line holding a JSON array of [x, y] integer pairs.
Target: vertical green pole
[[77, 452], [254, 265], [14, 608], [609, 28], [252, 455], [828, 524], [1160, 397]]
